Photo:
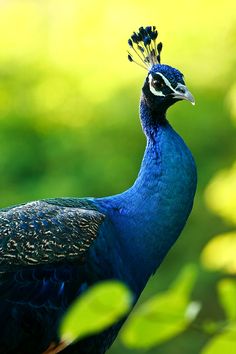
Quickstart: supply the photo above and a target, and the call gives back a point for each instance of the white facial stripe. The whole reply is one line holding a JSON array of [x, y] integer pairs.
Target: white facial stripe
[[156, 93], [167, 82]]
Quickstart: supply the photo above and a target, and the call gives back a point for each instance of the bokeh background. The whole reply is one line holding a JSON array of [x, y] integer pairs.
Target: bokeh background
[[69, 121]]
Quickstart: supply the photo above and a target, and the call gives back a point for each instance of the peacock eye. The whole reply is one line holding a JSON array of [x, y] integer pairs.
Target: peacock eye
[[158, 84]]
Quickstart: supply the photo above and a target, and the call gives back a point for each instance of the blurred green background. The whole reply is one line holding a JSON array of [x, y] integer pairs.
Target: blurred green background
[[69, 121]]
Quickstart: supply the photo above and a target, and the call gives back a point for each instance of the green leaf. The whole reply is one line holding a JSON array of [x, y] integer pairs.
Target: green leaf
[[163, 316], [212, 327], [221, 192], [227, 295], [219, 253], [101, 306], [185, 281], [222, 343]]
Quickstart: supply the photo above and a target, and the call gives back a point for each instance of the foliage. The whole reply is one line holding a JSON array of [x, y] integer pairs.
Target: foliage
[[221, 194], [224, 342], [219, 253], [164, 315], [227, 294], [96, 309]]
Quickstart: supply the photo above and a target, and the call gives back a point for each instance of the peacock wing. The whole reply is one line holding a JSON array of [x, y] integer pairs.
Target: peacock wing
[[45, 233]]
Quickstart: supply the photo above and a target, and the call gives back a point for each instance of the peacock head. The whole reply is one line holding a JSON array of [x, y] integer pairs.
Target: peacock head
[[164, 85]]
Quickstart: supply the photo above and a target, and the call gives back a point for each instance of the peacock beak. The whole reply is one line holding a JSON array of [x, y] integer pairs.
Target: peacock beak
[[182, 93]]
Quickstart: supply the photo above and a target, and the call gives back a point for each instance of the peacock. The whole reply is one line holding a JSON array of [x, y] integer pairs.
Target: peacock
[[53, 250]]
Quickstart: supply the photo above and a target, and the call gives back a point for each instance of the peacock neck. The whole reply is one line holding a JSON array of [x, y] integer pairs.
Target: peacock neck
[[151, 119], [158, 132], [146, 184], [150, 215]]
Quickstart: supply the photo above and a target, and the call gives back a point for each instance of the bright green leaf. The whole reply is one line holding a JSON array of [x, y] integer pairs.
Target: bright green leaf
[[185, 280], [98, 308], [221, 194], [222, 343], [219, 253], [227, 295], [163, 316]]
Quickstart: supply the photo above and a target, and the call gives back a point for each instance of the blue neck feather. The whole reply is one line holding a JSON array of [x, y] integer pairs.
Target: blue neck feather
[[151, 214]]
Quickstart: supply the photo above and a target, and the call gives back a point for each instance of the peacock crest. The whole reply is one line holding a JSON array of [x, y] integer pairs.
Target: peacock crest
[[143, 44]]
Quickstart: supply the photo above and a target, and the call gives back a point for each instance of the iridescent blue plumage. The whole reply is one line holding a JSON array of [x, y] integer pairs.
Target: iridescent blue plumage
[[89, 240]]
